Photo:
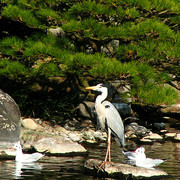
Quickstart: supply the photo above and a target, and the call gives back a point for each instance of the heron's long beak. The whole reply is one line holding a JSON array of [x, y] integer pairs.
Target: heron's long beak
[[91, 87]]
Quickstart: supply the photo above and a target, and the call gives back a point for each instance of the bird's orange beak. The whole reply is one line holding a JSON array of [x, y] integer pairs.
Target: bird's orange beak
[[90, 87]]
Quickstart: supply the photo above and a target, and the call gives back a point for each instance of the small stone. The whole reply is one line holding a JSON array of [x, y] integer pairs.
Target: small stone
[[159, 126], [75, 136], [57, 31], [134, 128], [145, 140], [155, 136], [170, 135], [91, 141], [150, 133], [130, 135], [87, 135], [61, 129], [146, 137], [99, 136], [29, 123], [177, 137], [87, 123], [163, 131]]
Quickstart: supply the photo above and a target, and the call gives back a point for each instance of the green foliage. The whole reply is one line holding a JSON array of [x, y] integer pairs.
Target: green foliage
[[11, 45], [90, 7], [35, 61], [12, 69], [47, 13], [47, 70], [158, 94], [17, 14]]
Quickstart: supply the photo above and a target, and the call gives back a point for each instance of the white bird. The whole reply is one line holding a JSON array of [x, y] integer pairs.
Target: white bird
[[20, 157], [142, 161]]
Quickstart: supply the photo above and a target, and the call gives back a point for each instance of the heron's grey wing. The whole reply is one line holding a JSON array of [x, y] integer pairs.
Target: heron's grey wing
[[114, 122]]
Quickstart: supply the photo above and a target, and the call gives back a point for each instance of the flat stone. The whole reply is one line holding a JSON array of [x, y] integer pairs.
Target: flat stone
[[177, 137], [170, 135], [163, 131], [146, 141], [171, 110], [60, 146], [155, 136], [122, 171]]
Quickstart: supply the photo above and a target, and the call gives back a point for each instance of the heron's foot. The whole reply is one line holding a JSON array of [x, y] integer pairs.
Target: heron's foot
[[103, 165]]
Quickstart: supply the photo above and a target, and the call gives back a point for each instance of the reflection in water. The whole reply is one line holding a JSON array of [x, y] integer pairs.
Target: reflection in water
[[72, 167], [20, 167]]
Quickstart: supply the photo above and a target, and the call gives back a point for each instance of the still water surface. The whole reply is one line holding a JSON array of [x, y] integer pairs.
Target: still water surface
[[51, 167]]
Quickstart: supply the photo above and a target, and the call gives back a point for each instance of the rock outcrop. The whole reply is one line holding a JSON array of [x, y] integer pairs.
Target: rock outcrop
[[9, 124], [122, 171], [58, 146]]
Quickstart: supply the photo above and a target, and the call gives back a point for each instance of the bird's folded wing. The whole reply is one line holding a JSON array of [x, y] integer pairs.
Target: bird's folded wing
[[114, 122]]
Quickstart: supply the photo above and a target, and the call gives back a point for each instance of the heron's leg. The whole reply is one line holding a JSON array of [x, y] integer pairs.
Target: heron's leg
[[107, 151], [109, 144], [108, 154]]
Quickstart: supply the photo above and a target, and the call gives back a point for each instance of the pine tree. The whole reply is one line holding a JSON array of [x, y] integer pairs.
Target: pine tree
[[52, 48]]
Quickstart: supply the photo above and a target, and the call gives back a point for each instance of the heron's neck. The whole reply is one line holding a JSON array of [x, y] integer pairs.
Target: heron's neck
[[101, 98]]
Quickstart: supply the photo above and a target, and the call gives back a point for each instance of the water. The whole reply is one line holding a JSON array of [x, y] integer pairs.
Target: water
[[51, 167]]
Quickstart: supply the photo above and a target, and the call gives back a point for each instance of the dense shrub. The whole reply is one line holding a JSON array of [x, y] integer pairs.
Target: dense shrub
[[45, 73]]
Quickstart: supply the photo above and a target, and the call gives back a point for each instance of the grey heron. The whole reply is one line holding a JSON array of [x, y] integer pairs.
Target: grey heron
[[108, 118]]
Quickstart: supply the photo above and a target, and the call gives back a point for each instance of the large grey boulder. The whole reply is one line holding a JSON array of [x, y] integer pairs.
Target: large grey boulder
[[123, 109], [9, 122], [86, 110], [122, 171]]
